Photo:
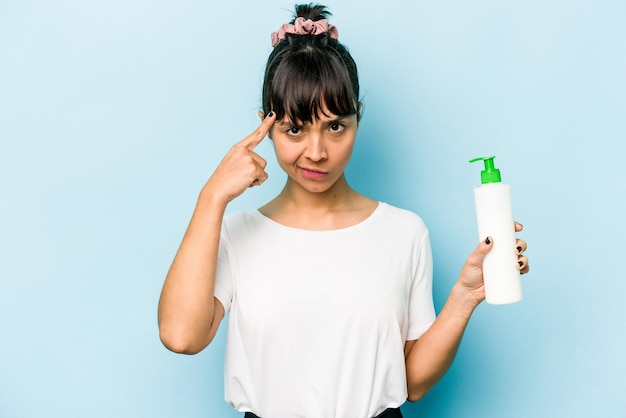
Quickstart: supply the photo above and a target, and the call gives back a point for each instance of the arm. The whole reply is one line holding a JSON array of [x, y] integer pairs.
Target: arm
[[430, 357], [189, 314]]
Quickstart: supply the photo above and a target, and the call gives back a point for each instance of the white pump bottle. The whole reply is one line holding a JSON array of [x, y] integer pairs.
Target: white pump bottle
[[494, 213]]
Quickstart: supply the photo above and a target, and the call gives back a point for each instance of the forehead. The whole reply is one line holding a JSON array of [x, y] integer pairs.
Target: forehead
[[323, 116], [309, 94]]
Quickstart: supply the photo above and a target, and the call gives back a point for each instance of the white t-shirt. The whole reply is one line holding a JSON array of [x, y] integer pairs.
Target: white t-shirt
[[318, 319]]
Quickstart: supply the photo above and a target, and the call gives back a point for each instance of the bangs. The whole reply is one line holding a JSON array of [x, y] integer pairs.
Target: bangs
[[306, 85]]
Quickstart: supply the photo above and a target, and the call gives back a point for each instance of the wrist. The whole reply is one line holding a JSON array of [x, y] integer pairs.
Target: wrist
[[212, 198], [464, 299], [210, 207]]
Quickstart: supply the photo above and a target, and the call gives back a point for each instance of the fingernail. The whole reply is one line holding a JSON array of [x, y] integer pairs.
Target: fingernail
[[269, 115], [521, 263], [519, 249], [487, 241]]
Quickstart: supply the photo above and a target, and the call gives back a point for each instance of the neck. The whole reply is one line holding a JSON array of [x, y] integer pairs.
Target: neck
[[338, 207], [339, 196]]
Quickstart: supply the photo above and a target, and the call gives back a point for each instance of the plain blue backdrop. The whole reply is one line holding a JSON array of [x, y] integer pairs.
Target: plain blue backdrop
[[114, 113]]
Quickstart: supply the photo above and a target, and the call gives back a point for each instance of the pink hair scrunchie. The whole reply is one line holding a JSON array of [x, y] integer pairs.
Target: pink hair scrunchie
[[304, 27]]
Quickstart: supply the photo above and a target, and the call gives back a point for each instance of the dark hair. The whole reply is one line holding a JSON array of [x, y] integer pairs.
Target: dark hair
[[306, 73]]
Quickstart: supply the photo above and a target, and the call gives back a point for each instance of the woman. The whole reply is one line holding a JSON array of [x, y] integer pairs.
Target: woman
[[329, 291]]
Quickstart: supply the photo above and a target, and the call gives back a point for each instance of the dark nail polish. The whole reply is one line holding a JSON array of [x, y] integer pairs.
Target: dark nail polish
[[487, 241], [519, 249], [521, 263], [269, 115]]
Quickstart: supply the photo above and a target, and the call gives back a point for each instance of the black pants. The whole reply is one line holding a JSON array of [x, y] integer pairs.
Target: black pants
[[387, 413]]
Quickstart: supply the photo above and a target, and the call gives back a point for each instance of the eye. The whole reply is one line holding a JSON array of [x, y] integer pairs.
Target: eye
[[336, 127], [293, 131]]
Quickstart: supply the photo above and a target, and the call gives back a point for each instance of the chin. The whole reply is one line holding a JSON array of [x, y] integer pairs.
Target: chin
[[318, 188], [312, 187]]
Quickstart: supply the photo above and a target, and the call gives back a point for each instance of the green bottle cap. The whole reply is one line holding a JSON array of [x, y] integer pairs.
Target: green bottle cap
[[490, 174]]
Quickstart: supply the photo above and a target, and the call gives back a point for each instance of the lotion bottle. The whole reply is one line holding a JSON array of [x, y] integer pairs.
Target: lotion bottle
[[494, 213]]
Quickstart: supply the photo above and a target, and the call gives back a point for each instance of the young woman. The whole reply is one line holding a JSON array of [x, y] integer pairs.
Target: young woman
[[329, 291]]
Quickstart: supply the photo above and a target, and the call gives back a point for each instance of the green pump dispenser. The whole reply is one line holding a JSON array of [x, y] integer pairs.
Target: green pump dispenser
[[490, 174]]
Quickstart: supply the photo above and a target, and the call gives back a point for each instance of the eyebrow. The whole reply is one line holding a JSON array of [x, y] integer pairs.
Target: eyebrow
[[338, 119]]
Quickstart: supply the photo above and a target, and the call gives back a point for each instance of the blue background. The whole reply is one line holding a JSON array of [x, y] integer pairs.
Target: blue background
[[114, 113]]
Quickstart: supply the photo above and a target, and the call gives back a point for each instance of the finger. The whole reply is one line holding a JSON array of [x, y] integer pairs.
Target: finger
[[478, 256], [255, 138], [520, 246], [518, 227], [522, 264], [260, 161], [259, 180], [485, 246], [258, 175]]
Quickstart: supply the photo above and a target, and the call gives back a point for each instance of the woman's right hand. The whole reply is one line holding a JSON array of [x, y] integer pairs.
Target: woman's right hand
[[241, 168]]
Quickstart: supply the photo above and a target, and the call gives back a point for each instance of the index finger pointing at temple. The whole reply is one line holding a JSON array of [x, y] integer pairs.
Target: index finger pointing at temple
[[255, 138]]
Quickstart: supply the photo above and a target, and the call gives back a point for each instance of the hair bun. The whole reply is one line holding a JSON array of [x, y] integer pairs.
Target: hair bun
[[311, 11]]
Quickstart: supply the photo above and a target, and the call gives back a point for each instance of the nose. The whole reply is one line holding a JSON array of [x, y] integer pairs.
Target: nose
[[316, 148]]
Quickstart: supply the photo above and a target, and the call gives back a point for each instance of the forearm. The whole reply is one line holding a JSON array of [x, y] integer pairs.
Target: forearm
[[186, 306], [430, 357]]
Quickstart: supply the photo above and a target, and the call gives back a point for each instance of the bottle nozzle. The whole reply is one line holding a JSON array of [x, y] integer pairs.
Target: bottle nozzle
[[490, 174]]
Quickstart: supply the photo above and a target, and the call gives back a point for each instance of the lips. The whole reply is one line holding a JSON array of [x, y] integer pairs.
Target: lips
[[312, 174]]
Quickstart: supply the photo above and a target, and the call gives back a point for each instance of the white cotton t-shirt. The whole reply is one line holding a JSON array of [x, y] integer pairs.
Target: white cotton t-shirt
[[318, 319]]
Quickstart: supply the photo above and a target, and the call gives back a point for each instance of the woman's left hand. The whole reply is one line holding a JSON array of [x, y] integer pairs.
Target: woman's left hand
[[471, 278]]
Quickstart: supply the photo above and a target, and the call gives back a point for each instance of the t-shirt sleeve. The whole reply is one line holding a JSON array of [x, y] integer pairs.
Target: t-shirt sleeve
[[224, 275], [421, 306]]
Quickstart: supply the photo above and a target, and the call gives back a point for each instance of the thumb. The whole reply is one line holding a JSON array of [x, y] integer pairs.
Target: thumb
[[482, 249]]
